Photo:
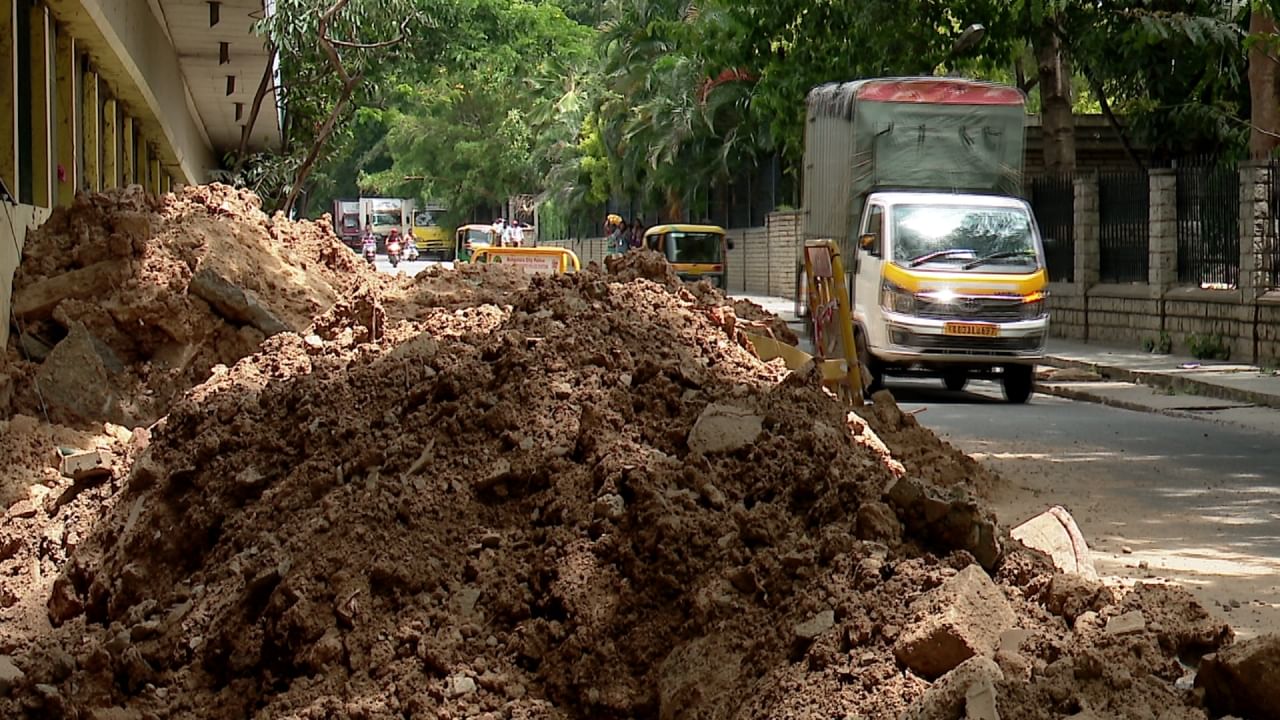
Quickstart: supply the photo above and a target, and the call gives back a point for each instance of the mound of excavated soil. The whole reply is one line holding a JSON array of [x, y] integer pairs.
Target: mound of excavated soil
[[588, 501], [128, 300]]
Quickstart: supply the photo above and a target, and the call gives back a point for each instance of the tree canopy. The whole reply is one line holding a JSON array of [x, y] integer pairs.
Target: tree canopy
[[472, 101]]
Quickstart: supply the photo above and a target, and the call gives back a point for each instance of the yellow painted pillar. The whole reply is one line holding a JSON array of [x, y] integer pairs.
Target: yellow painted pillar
[[8, 101], [40, 136], [64, 108], [144, 163], [110, 145], [127, 154], [92, 133], [155, 172], [168, 183]]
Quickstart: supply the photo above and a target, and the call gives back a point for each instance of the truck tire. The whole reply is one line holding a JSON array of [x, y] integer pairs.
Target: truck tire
[[1018, 382], [955, 379]]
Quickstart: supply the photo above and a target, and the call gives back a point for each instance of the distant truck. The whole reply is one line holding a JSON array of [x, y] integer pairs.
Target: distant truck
[[346, 221], [916, 179]]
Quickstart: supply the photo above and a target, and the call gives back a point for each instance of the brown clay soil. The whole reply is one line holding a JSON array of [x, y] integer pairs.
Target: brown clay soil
[[566, 497], [132, 293], [497, 510]]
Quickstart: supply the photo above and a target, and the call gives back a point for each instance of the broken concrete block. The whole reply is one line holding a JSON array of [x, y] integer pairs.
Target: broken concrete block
[[967, 691], [83, 464], [724, 428], [1130, 622], [37, 300], [1070, 596], [953, 523], [815, 626], [962, 618], [10, 675], [1055, 533], [877, 521], [1243, 679], [235, 303], [76, 377]]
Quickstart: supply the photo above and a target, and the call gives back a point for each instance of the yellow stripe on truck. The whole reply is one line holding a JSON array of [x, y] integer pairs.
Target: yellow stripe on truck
[[697, 268], [967, 283]]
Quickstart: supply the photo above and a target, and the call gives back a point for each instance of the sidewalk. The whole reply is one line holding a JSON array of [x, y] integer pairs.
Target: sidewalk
[[1171, 384], [1184, 382]]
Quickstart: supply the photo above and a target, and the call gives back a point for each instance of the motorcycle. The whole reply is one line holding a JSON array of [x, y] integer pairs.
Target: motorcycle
[[371, 255], [393, 251], [410, 251]]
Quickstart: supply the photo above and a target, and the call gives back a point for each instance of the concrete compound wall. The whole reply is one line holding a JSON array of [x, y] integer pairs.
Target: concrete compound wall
[[1245, 318], [15, 221]]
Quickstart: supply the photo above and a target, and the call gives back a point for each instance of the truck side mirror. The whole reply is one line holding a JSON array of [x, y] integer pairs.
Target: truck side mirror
[[870, 242]]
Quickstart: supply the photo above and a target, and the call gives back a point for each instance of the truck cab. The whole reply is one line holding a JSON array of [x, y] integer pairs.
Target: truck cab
[[951, 285]]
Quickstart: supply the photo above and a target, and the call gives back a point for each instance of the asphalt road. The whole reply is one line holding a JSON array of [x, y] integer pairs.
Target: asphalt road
[[1185, 500]]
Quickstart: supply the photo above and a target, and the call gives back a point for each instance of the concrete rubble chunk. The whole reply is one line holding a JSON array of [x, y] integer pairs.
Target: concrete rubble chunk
[[83, 464], [723, 429], [77, 377], [37, 300], [968, 691], [953, 522], [235, 303], [816, 625], [10, 675], [1243, 679], [459, 685], [961, 619], [1054, 532], [1130, 622]]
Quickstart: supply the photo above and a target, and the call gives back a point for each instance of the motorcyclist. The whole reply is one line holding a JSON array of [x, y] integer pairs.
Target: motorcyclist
[[369, 244]]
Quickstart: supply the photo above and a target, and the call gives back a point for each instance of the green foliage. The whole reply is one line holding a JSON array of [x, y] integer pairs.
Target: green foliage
[[1208, 346], [1162, 345]]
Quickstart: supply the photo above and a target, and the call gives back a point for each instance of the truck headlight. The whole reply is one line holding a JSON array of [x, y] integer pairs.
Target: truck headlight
[[1033, 306], [897, 299]]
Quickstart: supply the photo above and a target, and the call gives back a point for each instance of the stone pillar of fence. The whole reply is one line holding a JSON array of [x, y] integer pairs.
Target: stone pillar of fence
[[1255, 222], [1088, 259], [1162, 250]]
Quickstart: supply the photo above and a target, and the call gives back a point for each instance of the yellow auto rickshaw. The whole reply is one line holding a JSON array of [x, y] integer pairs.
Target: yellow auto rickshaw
[[696, 252], [469, 238]]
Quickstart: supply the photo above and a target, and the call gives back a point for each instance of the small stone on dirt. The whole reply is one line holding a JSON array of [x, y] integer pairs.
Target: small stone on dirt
[[1129, 622], [10, 675], [459, 685], [723, 429], [816, 625]]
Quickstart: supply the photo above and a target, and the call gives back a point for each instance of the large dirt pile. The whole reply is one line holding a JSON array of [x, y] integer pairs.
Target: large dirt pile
[[127, 300], [589, 501]]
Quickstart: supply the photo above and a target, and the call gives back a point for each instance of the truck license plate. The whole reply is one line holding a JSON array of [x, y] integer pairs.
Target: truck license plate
[[971, 329]]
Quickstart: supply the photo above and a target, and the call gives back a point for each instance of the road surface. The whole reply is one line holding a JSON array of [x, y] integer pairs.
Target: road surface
[[1184, 500]]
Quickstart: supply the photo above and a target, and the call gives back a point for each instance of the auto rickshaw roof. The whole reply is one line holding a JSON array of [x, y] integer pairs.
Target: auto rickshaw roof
[[663, 229], [476, 226]]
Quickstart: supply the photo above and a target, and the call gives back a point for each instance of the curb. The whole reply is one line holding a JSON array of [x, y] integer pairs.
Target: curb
[[1070, 393], [1172, 383]]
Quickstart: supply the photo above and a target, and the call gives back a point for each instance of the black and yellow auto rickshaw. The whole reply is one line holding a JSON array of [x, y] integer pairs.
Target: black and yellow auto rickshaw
[[469, 238], [696, 252]]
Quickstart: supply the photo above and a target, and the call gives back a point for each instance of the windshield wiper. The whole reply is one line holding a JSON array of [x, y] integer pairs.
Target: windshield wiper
[[997, 256], [916, 262]]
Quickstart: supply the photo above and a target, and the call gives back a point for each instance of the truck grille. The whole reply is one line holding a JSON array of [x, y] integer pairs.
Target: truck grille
[[964, 345], [970, 308]]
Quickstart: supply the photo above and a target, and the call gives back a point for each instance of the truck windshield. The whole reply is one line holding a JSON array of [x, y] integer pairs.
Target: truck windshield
[[961, 237], [694, 247], [425, 218]]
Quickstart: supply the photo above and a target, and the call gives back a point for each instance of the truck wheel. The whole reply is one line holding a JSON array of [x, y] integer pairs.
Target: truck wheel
[[955, 379], [1018, 382]]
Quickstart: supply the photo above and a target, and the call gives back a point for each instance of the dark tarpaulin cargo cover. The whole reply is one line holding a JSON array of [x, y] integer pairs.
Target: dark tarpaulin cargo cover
[[939, 134]]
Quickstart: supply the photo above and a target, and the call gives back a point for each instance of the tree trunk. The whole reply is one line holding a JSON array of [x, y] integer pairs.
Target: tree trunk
[[1264, 85], [247, 129], [313, 154], [1056, 119]]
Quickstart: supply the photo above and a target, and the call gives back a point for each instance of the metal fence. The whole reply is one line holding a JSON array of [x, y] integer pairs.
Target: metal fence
[[1124, 200], [1208, 198], [1052, 198], [1271, 231]]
